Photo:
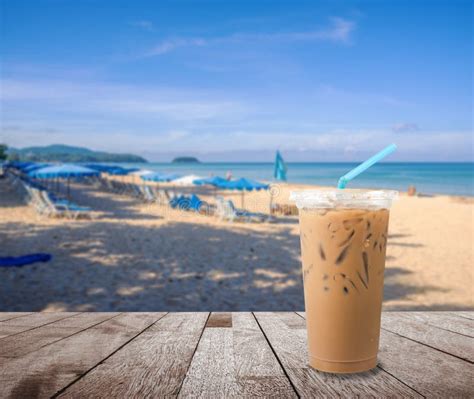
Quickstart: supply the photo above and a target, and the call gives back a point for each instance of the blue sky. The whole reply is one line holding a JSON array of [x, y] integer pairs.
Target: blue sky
[[228, 80]]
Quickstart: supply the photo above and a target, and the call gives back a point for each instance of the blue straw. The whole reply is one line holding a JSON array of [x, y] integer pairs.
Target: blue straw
[[365, 165]]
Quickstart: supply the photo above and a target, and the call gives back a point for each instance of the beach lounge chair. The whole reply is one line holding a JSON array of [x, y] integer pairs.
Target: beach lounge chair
[[57, 207], [178, 201], [226, 210], [145, 194], [133, 190], [149, 194], [35, 198], [191, 203]]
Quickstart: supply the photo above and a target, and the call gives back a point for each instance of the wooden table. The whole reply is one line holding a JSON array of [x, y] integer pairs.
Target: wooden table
[[113, 355]]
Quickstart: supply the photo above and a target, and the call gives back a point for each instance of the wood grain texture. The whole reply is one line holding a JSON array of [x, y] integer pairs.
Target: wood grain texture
[[152, 365], [44, 372], [235, 362], [6, 331], [444, 320], [428, 371], [219, 319], [12, 315], [466, 315], [37, 319], [130, 356], [408, 326], [13, 325], [302, 314], [33, 339], [84, 320], [290, 346]]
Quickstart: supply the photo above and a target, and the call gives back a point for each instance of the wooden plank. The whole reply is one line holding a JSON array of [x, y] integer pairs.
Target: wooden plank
[[152, 365], [31, 340], [12, 315], [235, 362], [290, 346], [219, 319], [466, 315], [37, 319], [428, 371], [302, 314], [6, 331], [11, 327], [419, 366], [444, 320], [84, 320], [405, 324], [44, 372]]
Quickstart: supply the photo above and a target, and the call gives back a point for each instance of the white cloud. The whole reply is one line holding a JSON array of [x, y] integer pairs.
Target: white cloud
[[144, 24], [337, 144], [121, 100], [339, 31], [152, 120], [405, 127], [171, 44]]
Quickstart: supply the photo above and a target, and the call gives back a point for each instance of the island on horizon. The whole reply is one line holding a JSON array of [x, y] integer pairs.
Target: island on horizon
[[66, 153], [185, 160]]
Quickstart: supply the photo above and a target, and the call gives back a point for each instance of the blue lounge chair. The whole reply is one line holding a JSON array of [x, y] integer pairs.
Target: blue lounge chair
[[19, 261]]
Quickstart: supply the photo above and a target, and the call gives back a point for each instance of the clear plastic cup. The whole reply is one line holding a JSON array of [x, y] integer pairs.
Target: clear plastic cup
[[343, 242]]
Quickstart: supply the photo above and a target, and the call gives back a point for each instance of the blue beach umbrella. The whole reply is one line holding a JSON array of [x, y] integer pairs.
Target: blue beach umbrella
[[243, 185], [35, 166], [212, 181], [280, 169], [20, 165], [63, 171], [120, 171], [101, 168]]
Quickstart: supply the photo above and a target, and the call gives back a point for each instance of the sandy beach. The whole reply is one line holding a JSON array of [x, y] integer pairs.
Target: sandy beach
[[145, 257]]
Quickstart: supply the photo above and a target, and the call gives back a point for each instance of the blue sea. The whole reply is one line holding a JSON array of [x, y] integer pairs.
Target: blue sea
[[428, 178]]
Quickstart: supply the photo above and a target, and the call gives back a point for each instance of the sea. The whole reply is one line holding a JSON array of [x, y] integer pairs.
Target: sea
[[428, 178]]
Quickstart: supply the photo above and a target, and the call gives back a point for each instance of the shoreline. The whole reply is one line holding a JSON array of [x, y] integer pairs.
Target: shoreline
[[137, 256]]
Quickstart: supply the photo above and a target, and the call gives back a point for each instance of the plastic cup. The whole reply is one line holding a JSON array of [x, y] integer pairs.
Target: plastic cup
[[343, 242]]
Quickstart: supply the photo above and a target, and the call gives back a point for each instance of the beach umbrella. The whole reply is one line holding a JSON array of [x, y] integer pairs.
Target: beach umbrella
[[187, 180], [104, 168], [280, 169], [141, 172], [243, 185], [31, 168], [212, 181], [20, 165], [98, 167], [63, 171], [120, 171]]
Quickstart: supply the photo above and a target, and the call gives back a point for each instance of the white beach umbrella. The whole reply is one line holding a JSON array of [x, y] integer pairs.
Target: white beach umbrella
[[186, 180], [142, 172]]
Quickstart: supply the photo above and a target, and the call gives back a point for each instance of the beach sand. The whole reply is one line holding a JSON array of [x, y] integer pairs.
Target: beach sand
[[144, 257]]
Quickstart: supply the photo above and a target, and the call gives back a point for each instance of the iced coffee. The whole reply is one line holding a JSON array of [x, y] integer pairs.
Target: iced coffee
[[343, 242]]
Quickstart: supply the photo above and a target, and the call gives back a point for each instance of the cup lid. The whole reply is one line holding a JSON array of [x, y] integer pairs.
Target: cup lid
[[337, 198]]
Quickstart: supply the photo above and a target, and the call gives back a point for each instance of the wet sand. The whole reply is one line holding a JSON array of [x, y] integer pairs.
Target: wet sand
[[144, 257]]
